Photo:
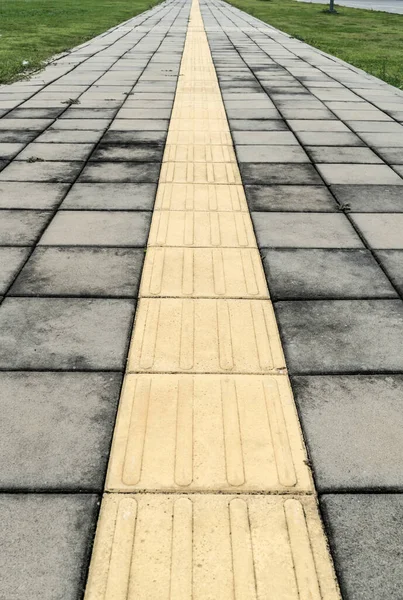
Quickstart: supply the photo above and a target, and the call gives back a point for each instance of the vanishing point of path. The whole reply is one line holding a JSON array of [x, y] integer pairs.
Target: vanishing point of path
[[183, 198]]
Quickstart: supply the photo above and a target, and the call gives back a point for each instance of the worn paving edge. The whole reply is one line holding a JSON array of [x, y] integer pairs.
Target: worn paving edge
[[206, 409]]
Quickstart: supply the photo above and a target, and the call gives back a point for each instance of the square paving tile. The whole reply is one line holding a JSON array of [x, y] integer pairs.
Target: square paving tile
[[315, 125], [365, 417], [129, 152], [69, 137], [98, 228], [366, 538], [110, 196], [283, 198], [359, 174], [109, 172], [56, 429], [8, 151], [370, 198], [86, 124], [41, 171], [279, 174], [21, 227], [318, 274], [48, 540], [64, 334], [381, 231], [304, 230], [340, 154], [392, 262], [370, 333], [17, 137], [56, 152], [11, 260], [134, 137], [329, 138], [100, 272], [393, 156], [271, 154], [383, 140], [257, 125], [139, 125], [270, 138], [31, 195]]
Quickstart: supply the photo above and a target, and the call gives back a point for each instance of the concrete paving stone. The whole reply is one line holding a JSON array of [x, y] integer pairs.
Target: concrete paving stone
[[215, 532], [307, 113], [150, 152], [110, 196], [309, 274], [271, 154], [359, 174], [279, 174], [264, 102], [56, 152], [283, 198], [392, 262], [340, 154], [398, 169], [110, 172], [95, 272], [134, 137], [359, 115], [278, 138], [328, 138], [139, 125], [257, 125], [206, 461], [56, 430], [383, 140], [304, 230], [75, 112], [17, 137], [21, 227], [11, 260], [363, 453], [203, 272], [205, 336], [253, 113], [65, 333], [69, 137], [366, 541], [80, 124], [35, 113], [98, 228], [393, 156], [25, 124], [31, 195], [201, 229], [48, 540], [370, 198], [143, 113], [370, 332], [52, 172], [317, 125], [8, 151], [381, 230], [375, 126]]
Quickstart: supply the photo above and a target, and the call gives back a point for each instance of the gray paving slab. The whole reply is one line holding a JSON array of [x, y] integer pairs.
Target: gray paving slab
[[293, 198], [278, 138], [329, 138], [48, 539], [279, 174], [56, 430], [393, 156], [369, 332], [369, 198], [258, 125], [98, 228], [8, 151], [381, 230], [366, 540], [56, 152], [129, 152], [304, 230], [341, 154], [359, 174], [309, 274], [21, 227], [392, 262], [271, 154], [53, 172], [11, 260], [299, 125], [95, 272], [51, 136], [106, 172], [363, 453], [31, 195], [18, 137], [110, 196], [64, 333]]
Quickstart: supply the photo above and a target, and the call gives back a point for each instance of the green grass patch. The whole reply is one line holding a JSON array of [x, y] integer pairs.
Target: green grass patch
[[370, 40], [34, 30]]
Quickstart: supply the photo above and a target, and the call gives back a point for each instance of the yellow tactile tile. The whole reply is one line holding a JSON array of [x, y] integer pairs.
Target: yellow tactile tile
[[210, 547], [199, 153], [201, 229], [199, 112], [198, 124], [203, 272], [211, 138], [200, 196], [200, 172], [208, 433], [205, 336]]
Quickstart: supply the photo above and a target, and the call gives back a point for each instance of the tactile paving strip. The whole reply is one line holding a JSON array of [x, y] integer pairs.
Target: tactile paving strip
[[206, 407]]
